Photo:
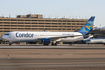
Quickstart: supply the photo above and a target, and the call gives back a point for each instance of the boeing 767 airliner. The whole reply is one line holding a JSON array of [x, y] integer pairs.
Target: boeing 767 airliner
[[49, 37]]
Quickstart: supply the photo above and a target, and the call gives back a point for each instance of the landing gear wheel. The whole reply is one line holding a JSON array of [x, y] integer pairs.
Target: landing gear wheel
[[45, 44], [9, 44], [54, 44]]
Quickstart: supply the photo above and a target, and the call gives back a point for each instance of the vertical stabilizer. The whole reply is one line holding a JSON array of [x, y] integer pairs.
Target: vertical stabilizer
[[88, 26]]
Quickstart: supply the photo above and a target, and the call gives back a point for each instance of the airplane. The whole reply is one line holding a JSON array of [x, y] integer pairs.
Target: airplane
[[95, 40], [49, 37]]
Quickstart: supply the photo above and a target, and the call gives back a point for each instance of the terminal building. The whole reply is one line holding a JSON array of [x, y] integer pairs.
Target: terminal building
[[36, 22]]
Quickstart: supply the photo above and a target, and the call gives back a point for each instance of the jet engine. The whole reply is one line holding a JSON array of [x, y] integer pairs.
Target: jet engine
[[46, 41]]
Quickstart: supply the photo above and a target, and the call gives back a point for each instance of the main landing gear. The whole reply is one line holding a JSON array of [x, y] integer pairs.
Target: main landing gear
[[45, 44], [54, 43]]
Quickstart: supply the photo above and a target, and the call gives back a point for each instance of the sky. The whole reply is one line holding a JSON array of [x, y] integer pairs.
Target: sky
[[56, 9]]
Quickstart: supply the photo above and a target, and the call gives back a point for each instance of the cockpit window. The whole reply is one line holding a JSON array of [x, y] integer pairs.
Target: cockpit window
[[6, 34]]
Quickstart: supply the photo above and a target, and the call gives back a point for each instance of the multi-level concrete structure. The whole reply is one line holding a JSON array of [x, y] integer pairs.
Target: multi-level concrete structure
[[38, 23]]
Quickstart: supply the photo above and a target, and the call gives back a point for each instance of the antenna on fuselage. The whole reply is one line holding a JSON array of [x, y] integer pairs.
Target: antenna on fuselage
[[44, 30]]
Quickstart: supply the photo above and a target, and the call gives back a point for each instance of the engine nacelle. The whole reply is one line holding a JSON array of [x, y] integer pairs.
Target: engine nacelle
[[46, 41]]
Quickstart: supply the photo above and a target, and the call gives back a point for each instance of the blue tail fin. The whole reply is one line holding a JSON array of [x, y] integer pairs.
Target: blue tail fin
[[87, 27]]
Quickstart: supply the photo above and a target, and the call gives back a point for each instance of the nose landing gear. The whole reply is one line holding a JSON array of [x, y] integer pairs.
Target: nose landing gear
[[9, 44]]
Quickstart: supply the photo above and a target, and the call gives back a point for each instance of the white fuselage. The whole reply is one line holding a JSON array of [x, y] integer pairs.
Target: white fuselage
[[26, 36], [95, 41]]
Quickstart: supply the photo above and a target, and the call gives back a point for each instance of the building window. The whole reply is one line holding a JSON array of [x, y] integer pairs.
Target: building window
[[27, 20], [54, 26], [54, 23], [47, 20], [34, 28], [47, 23], [54, 29], [41, 29], [20, 20], [47, 26], [68, 29], [41, 20], [73, 23], [20, 26], [6, 28], [68, 26], [34, 23], [48, 29], [59, 20], [27, 26], [40, 26], [27, 23], [34, 20], [77, 23], [64, 21], [6, 19], [54, 20], [13, 28], [82, 21], [1, 19], [20, 23], [13, 20], [40, 23], [6, 31], [82, 24], [13, 23], [7, 25], [59, 23], [78, 29], [68, 23]]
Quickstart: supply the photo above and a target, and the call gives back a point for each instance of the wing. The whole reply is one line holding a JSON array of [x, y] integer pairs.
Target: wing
[[58, 37]]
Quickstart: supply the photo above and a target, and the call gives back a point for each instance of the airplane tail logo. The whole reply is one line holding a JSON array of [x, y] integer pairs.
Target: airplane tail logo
[[87, 27]]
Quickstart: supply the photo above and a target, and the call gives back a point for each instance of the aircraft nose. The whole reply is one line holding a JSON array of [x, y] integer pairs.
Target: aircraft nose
[[3, 36]]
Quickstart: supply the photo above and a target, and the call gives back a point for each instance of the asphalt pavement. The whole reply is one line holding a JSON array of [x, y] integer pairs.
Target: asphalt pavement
[[44, 47], [50, 63], [52, 57]]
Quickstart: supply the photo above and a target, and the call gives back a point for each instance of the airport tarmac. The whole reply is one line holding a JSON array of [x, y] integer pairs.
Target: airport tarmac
[[52, 64], [53, 58], [49, 47]]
